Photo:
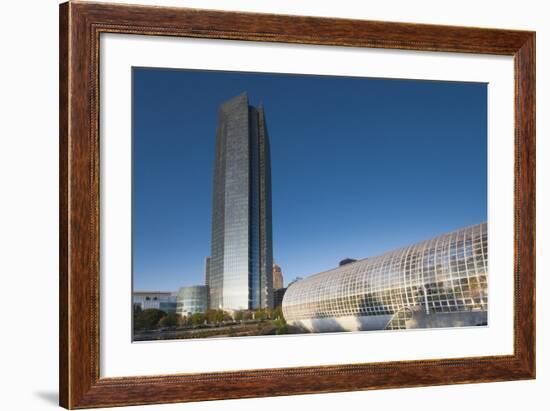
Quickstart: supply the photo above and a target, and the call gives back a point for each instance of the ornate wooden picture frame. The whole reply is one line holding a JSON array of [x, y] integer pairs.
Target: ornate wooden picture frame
[[81, 24]]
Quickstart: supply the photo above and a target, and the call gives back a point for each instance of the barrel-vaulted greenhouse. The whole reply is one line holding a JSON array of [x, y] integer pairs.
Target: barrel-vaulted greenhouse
[[441, 282]]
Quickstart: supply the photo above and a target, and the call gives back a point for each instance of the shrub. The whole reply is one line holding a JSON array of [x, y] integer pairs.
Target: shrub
[[282, 328]]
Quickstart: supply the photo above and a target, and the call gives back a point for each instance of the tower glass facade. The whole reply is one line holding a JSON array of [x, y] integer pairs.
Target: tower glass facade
[[241, 261], [207, 271]]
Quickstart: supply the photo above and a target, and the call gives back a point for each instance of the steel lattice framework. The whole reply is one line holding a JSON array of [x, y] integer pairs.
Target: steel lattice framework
[[447, 273]]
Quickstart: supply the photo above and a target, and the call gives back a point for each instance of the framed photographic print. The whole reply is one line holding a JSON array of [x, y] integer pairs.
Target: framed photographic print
[[259, 205]]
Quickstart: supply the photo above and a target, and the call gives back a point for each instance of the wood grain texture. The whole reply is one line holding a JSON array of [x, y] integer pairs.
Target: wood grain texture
[[63, 204], [80, 27], [524, 204]]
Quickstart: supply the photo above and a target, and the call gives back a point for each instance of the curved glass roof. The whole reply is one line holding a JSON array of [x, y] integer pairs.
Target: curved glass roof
[[447, 273]]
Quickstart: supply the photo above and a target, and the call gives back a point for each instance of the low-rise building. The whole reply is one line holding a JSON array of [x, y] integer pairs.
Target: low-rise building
[[192, 299], [160, 300]]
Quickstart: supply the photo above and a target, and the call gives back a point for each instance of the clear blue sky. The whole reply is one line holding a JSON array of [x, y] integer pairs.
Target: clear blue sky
[[359, 166]]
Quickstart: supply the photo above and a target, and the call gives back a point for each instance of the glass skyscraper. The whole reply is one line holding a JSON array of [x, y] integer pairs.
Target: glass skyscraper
[[241, 261]]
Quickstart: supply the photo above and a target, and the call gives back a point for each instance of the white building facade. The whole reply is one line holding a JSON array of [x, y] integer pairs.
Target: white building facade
[[160, 300]]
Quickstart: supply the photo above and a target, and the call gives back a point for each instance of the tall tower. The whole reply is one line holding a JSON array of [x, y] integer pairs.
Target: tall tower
[[240, 272], [207, 280], [277, 277], [207, 271]]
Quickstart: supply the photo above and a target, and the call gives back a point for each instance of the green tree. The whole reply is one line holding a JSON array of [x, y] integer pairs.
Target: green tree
[[260, 314], [196, 319], [217, 316], [278, 313], [279, 321], [170, 320], [147, 319], [210, 316]]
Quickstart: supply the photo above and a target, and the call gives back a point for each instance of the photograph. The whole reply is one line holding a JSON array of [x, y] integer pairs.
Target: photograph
[[275, 205], [267, 204]]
